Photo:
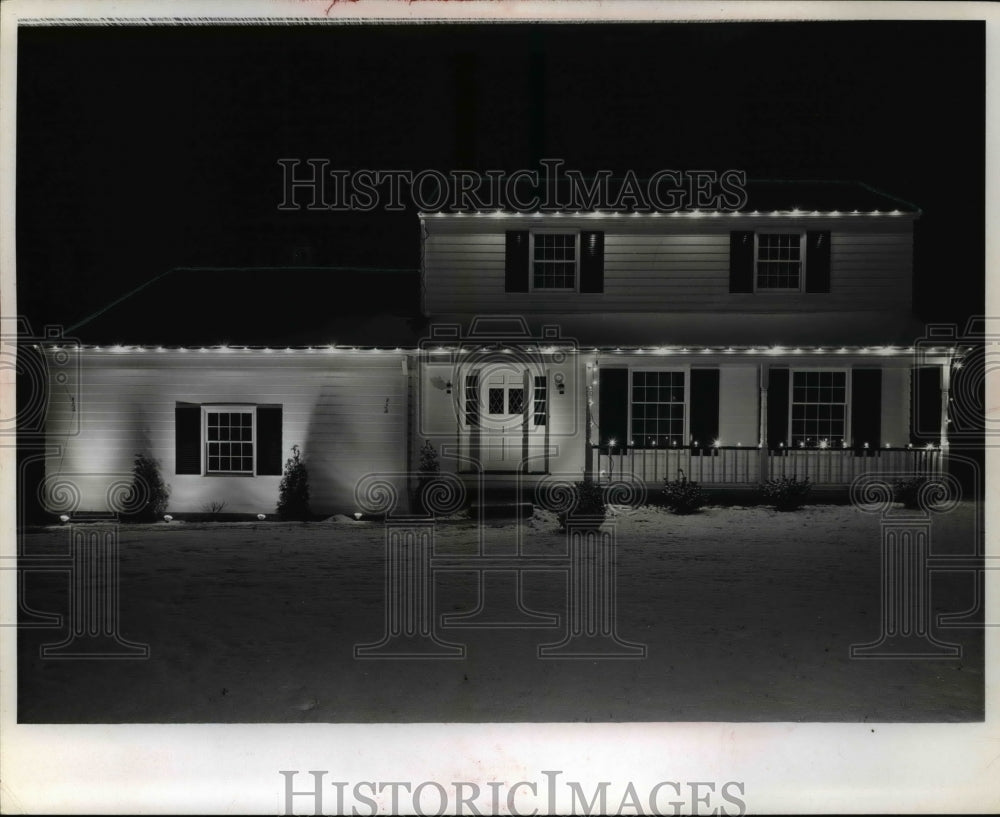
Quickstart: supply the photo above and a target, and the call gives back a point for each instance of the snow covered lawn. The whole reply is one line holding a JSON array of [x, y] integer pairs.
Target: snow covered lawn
[[747, 614]]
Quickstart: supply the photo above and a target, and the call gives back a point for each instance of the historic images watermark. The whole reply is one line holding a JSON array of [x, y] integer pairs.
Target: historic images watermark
[[48, 374], [522, 798], [316, 184], [955, 422], [485, 401]]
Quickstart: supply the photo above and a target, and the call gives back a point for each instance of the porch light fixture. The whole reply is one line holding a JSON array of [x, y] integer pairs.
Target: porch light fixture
[[64, 518], [865, 445], [357, 516]]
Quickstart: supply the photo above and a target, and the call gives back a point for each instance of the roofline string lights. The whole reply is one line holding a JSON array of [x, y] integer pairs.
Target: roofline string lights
[[883, 351], [794, 212]]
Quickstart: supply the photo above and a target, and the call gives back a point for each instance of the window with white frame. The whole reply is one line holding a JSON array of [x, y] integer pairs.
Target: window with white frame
[[819, 408], [554, 261], [779, 261], [229, 440], [657, 408]]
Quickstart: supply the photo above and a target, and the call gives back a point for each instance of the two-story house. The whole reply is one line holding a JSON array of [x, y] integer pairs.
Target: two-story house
[[731, 347]]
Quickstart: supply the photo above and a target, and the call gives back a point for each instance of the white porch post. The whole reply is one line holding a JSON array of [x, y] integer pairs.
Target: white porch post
[[945, 392], [762, 408], [589, 377]]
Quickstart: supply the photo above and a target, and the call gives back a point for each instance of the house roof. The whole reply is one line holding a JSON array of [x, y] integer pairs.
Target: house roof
[[352, 307], [822, 196], [785, 196], [268, 306], [700, 330]]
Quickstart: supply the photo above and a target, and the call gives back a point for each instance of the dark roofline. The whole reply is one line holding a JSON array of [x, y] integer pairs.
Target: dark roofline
[[285, 268]]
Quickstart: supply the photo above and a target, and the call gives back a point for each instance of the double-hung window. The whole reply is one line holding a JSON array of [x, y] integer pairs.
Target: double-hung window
[[819, 408], [778, 261], [229, 440], [554, 261], [657, 408]]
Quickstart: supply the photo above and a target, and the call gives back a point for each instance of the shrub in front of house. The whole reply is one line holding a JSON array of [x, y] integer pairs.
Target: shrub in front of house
[[428, 469], [589, 504], [148, 496], [786, 493], [683, 496], [293, 493], [908, 491]]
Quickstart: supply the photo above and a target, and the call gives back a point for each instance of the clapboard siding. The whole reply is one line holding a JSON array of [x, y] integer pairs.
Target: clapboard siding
[[666, 264], [346, 411]]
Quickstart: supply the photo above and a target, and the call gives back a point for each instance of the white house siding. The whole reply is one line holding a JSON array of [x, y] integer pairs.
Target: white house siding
[[345, 410], [665, 263], [739, 405]]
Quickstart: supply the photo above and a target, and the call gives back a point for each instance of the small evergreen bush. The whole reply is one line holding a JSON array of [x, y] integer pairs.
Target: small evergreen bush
[[148, 484], [293, 493], [786, 493], [682, 496], [589, 503], [428, 469]]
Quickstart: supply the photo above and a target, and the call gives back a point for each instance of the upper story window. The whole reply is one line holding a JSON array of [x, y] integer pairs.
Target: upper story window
[[772, 261], [779, 261], [553, 261]]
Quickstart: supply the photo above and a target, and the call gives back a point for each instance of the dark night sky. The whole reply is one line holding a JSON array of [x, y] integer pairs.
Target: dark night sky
[[141, 149]]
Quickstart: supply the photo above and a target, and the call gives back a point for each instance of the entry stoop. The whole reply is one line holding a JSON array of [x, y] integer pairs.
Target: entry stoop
[[500, 499], [501, 510]]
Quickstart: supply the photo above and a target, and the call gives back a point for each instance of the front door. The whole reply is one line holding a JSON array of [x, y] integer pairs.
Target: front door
[[503, 429]]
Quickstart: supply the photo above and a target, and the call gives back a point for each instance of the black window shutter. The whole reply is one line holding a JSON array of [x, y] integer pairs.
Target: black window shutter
[[516, 264], [187, 441], [866, 408], [269, 448], [704, 406], [592, 261], [741, 261], [612, 408], [925, 405], [777, 408], [817, 261]]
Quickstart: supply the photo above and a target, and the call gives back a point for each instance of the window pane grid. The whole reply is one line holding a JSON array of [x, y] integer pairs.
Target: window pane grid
[[515, 401], [495, 398], [819, 408], [230, 441], [540, 399], [472, 399], [657, 408], [779, 260], [554, 261]]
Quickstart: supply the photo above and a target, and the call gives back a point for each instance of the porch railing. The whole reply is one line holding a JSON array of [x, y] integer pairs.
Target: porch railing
[[736, 465]]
